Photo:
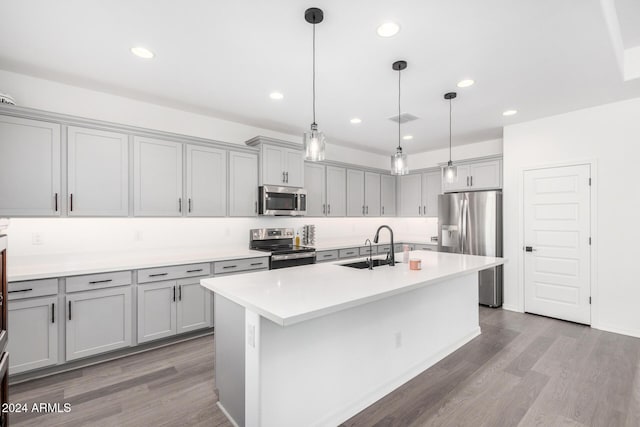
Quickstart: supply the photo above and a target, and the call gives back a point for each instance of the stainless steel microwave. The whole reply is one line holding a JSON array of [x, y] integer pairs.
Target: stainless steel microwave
[[284, 201]]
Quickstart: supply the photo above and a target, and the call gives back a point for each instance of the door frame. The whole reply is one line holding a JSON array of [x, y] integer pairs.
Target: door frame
[[593, 269]]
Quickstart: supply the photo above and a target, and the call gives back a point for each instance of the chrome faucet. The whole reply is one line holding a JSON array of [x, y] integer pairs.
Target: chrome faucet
[[370, 258], [391, 256]]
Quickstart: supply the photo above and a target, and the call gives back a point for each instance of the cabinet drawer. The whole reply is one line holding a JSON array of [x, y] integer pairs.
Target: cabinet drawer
[[32, 288], [384, 249], [98, 281], [326, 256], [349, 253], [174, 272], [365, 250], [236, 265], [422, 247]]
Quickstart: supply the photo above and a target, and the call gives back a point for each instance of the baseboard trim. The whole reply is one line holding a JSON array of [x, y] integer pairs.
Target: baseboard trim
[[615, 330], [511, 308], [340, 416], [226, 414]]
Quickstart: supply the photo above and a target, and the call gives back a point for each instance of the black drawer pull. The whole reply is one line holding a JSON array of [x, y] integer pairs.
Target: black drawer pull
[[100, 281], [253, 264], [20, 290], [230, 266], [194, 271], [53, 312], [327, 255], [69, 310], [158, 274]]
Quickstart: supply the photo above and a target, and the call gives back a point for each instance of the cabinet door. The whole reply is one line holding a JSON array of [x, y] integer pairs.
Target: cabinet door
[[294, 168], [431, 187], [355, 193], [410, 195], [243, 184], [98, 172], [273, 167], [371, 194], [485, 175], [336, 191], [314, 177], [156, 311], [206, 181], [461, 183], [34, 334], [98, 321], [388, 195], [157, 175], [29, 168], [195, 305]]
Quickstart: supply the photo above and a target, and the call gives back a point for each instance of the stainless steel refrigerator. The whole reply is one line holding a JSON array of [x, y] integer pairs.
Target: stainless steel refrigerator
[[471, 223]]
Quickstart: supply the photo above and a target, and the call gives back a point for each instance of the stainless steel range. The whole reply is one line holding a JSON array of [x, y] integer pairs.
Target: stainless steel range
[[279, 241]]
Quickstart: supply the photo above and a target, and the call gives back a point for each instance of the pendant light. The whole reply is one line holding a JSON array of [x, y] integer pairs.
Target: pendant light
[[314, 140], [399, 159], [451, 171]]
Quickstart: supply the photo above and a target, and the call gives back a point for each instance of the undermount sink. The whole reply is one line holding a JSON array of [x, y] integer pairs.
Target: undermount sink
[[365, 264]]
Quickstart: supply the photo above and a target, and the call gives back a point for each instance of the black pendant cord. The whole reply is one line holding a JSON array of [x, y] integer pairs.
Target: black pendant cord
[[314, 74], [450, 130], [399, 91]]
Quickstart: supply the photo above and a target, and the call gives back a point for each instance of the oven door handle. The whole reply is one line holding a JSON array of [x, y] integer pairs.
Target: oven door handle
[[4, 364], [285, 257]]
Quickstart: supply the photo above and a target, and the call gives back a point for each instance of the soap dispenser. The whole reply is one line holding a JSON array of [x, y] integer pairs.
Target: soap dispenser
[[297, 241]]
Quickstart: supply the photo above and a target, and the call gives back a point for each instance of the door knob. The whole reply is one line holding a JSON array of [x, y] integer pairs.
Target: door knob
[[529, 249]]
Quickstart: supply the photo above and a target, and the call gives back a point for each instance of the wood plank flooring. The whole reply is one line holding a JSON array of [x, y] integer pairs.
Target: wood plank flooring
[[523, 370]]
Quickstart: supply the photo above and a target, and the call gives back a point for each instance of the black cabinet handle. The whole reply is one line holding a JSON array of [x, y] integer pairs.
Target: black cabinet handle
[[327, 255], [71, 201], [69, 310], [194, 271], [100, 281], [158, 274], [189, 204], [253, 264], [56, 201], [180, 293], [20, 290], [179, 204], [229, 266], [53, 312], [174, 293]]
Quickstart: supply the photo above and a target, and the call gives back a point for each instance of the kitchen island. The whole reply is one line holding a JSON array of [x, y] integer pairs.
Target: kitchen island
[[314, 345]]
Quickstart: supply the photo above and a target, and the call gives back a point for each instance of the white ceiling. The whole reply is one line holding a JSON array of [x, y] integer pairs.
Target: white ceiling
[[628, 12], [540, 57]]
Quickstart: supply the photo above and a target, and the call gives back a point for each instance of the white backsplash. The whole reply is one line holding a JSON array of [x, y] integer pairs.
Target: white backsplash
[[33, 236]]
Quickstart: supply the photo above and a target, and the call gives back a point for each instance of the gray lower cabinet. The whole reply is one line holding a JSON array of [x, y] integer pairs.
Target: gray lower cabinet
[[243, 184], [206, 181], [29, 168], [98, 172], [322, 256], [97, 321], [157, 177], [194, 309], [34, 333]]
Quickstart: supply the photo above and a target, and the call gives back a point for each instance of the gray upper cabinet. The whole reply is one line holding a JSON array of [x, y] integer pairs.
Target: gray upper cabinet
[[29, 167], [410, 195], [98, 173], [355, 193], [314, 179], [336, 191], [206, 181], [480, 175], [282, 166], [157, 177], [243, 184], [371, 194], [387, 195], [431, 188]]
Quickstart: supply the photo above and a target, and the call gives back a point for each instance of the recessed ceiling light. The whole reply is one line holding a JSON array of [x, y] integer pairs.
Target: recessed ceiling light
[[407, 137], [142, 52], [388, 29], [276, 95], [510, 113], [465, 83], [355, 120]]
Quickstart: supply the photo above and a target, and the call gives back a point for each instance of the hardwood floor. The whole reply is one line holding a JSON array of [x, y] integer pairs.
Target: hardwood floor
[[523, 370]]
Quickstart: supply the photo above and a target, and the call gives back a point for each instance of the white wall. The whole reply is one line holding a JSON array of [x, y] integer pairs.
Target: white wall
[[72, 235], [610, 135], [429, 159], [61, 98]]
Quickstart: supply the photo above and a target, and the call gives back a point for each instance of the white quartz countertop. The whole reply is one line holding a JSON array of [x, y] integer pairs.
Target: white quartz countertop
[[292, 295], [327, 245], [72, 264]]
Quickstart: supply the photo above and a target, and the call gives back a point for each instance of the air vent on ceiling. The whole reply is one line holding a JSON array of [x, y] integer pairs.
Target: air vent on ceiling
[[404, 118]]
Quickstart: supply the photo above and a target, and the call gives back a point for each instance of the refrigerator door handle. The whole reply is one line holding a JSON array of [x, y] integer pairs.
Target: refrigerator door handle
[[465, 216]]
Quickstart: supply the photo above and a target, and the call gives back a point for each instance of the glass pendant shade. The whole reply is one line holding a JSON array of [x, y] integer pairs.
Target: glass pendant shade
[[451, 173], [399, 165], [314, 144]]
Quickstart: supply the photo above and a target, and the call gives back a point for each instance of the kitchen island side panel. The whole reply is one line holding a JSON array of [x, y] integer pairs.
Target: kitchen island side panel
[[323, 371]]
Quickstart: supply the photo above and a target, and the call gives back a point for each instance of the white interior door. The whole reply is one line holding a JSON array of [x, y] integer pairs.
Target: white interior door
[[557, 217]]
